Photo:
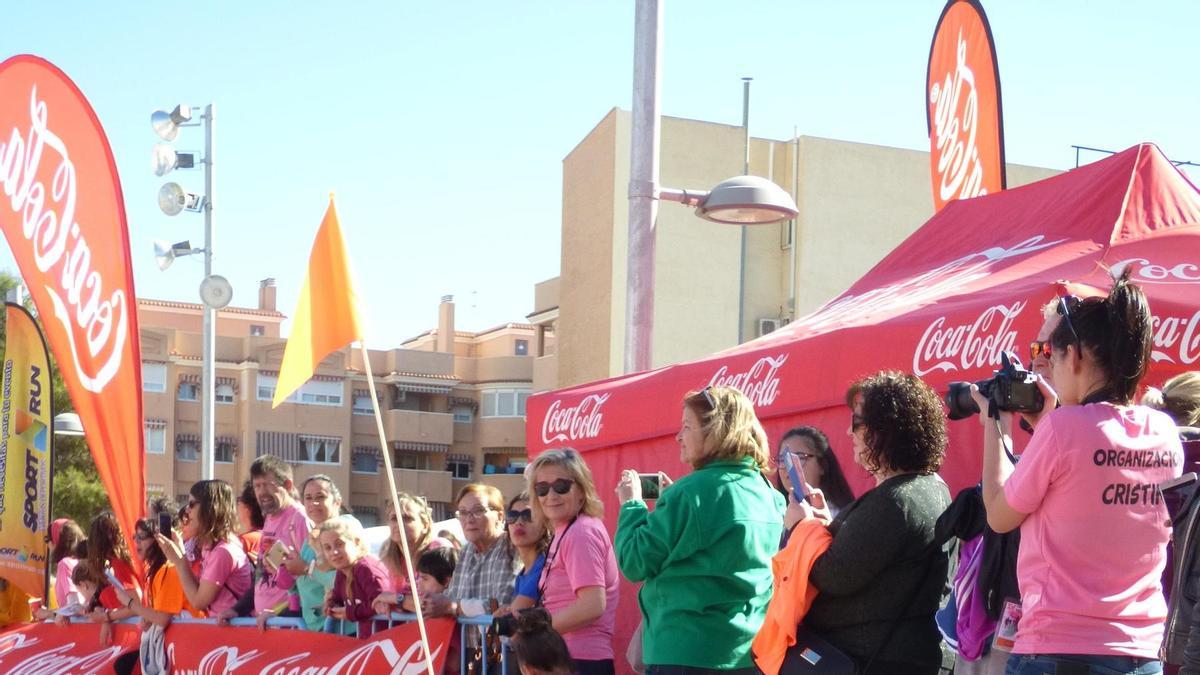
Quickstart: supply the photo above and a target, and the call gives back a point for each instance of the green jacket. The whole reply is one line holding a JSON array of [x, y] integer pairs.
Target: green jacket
[[705, 556]]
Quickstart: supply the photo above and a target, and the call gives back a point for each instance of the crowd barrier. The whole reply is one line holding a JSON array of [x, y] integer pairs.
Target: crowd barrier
[[466, 625]]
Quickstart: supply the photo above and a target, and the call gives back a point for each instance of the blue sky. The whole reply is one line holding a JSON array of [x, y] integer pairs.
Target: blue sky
[[442, 126]]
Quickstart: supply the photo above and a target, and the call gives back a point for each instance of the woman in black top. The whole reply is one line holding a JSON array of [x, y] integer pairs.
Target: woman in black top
[[881, 579]]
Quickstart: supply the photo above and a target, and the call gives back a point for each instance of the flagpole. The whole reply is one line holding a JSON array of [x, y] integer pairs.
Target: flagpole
[[391, 479]]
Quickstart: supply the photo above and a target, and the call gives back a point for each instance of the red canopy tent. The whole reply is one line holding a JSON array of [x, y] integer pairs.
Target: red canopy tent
[[945, 304]]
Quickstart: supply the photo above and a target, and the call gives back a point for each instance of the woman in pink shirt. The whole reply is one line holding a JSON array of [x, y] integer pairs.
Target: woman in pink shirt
[[1094, 528], [579, 578], [225, 573]]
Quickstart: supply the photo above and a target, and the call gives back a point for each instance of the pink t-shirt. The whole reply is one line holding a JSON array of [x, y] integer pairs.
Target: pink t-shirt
[[1094, 545], [291, 526], [227, 566], [581, 555], [65, 592]]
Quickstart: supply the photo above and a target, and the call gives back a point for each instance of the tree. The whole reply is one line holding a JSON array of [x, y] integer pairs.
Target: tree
[[78, 493]]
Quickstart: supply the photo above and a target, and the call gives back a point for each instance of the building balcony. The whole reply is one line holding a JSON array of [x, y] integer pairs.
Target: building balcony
[[500, 432], [435, 486], [509, 484], [495, 369], [545, 373], [418, 427]]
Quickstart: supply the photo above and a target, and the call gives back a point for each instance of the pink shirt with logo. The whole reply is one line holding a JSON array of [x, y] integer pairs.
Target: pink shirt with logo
[[1094, 545], [291, 526], [581, 555], [227, 566]]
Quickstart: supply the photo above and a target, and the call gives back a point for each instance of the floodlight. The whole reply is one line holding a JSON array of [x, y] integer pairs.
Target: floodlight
[[165, 253], [166, 125], [173, 199]]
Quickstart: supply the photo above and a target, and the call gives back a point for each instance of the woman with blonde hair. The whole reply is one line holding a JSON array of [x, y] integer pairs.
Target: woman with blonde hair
[[1179, 398], [579, 584], [705, 551], [415, 525]]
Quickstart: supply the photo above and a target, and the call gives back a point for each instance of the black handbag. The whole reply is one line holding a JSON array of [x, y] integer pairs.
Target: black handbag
[[813, 656]]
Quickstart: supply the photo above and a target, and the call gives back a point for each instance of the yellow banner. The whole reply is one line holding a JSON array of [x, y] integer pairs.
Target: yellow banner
[[25, 442]]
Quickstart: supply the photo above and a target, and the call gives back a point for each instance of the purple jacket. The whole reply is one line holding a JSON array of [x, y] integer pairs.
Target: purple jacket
[[368, 579]]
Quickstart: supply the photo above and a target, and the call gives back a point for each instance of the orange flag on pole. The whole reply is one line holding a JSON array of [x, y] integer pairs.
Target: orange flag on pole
[[326, 317]]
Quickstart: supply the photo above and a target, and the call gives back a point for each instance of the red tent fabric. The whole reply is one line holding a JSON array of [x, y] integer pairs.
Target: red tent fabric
[[945, 304]]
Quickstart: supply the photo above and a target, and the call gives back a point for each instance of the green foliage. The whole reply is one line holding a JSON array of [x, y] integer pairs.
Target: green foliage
[[78, 493]]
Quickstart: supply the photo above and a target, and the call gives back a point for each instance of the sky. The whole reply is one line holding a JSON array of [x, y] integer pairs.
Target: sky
[[442, 126]]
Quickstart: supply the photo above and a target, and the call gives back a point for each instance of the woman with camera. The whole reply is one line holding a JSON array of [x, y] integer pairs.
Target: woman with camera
[[705, 551], [578, 585], [880, 581], [1094, 528]]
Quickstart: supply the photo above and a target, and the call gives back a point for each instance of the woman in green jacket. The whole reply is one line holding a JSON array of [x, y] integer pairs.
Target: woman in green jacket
[[705, 551]]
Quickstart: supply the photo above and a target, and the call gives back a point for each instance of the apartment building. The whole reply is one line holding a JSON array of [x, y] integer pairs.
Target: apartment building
[[452, 404]]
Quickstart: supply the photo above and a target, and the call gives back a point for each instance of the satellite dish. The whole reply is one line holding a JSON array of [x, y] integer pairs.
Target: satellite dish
[[215, 291]]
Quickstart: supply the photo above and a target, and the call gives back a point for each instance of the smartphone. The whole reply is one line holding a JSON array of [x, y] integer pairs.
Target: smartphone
[[651, 485], [277, 553], [1178, 493], [796, 476], [164, 524]]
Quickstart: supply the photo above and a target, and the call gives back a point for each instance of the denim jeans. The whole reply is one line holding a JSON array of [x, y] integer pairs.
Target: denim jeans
[[1079, 664]]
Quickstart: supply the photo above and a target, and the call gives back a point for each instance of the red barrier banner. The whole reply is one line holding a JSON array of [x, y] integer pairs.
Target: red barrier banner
[[63, 215], [196, 649], [962, 92]]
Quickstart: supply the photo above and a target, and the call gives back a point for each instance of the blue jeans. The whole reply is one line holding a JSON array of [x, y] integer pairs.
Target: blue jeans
[[1079, 664]]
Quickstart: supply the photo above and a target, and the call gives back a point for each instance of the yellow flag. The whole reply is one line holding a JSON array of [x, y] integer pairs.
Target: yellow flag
[[326, 316]]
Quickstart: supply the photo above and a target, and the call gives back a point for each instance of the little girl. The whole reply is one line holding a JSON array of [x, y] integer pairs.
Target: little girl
[[360, 576]]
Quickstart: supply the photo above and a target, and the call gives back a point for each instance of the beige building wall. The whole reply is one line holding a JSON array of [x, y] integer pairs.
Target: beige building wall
[[856, 203]]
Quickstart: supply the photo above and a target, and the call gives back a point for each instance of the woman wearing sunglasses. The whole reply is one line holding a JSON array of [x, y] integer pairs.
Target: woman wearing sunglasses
[[1094, 530], [705, 551], [579, 585], [530, 539]]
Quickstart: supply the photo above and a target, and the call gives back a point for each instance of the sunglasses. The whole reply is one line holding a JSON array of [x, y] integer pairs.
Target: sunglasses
[[514, 517], [857, 422], [561, 487], [708, 396], [1040, 348], [1064, 304]]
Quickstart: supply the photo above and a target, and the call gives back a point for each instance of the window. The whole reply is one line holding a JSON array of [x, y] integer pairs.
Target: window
[[154, 377], [224, 452], [187, 451], [257, 331], [224, 393], [504, 403], [412, 460], [463, 414], [156, 440], [460, 470], [188, 391], [362, 405], [313, 392], [365, 463], [521, 348], [320, 449]]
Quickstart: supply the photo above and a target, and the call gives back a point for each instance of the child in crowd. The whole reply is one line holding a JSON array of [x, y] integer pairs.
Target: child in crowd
[[539, 649], [361, 577], [435, 569]]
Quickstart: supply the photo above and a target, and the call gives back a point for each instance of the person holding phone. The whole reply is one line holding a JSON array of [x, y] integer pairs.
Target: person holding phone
[[704, 553], [1094, 529], [579, 584], [818, 466]]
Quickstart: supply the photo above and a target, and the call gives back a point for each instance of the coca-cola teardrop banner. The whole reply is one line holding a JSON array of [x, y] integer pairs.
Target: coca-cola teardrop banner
[[63, 215], [962, 98]]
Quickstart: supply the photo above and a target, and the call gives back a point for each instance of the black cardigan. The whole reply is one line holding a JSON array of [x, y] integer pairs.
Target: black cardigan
[[884, 551]]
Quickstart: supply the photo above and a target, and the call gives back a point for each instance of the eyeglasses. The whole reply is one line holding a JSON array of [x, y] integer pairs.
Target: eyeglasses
[[477, 512], [857, 422], [142, 537], [1040, 348], [802, 456], [1064, 304], [561, 487], [514, 517]]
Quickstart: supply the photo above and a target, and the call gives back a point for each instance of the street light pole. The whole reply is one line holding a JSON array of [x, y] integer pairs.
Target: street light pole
[[208, 427], [741, 327]]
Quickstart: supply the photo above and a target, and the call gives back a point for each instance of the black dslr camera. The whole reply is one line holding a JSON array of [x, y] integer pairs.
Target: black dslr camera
[[504, 626], [1011, 389]]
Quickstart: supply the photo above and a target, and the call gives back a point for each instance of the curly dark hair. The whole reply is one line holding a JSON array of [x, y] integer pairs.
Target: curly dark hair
[[905, 422]]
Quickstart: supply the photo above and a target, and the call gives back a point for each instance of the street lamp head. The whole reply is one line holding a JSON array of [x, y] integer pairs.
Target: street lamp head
[[173, 199], [166, 124], [67, 424], [747, 200]]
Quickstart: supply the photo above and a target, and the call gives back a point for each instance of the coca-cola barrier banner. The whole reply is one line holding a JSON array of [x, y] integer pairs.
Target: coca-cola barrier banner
[[196, 649], [962, 98], [64, 218]]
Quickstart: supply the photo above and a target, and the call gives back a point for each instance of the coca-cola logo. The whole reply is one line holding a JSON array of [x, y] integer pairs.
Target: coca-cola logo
[[91, 320], [965, 346], [581, 421], [959, 167], [1176, 340], [1146, 272], [52, 660], [760, 383]]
